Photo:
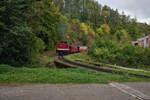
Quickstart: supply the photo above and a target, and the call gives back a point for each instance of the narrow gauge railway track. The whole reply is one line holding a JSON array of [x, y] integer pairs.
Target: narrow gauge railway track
[[92, 67]]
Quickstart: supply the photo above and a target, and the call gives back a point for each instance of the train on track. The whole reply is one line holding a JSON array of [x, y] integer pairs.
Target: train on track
[[63, 48]]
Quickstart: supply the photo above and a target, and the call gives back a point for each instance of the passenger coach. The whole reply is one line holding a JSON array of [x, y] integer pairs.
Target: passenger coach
[[63, 48]]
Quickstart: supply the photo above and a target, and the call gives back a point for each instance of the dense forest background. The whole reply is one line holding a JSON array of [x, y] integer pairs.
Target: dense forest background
[[31, 27]]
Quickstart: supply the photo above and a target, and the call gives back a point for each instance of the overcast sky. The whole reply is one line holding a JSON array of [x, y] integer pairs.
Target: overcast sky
[[138, 8]]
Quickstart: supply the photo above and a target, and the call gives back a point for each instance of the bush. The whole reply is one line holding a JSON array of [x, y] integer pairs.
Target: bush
[[109, 51], [103, 54]]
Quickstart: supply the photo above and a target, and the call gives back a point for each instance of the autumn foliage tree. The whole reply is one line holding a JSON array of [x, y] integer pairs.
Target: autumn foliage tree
[[80, 34], [95, 15]]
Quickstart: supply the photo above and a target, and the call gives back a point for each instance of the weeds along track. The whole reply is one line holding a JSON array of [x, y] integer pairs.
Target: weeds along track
[[92, 67]]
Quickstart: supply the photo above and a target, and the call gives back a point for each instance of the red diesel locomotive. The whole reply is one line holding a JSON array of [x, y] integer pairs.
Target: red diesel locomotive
[[63, 48]]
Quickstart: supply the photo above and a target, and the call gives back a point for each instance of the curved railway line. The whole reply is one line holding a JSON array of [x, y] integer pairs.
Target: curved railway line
[[61, 59]]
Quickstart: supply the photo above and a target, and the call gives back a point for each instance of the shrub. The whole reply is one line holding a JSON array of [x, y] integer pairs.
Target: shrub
[[108, 51]]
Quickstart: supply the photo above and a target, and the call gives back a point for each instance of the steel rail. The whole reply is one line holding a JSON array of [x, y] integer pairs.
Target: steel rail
[[92, 67]]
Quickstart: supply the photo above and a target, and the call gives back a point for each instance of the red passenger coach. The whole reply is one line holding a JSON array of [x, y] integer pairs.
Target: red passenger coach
[[74, 49], [62, 48], [83, 49]]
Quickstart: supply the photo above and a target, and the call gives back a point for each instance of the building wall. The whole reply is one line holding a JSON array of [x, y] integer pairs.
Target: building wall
[[149, 41], [140, 43], [143, 42]]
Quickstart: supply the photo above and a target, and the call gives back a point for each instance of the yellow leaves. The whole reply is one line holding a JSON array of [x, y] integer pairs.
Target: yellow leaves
[[124, 32], [84, 28], [80, 33], [57, 12], [64, 18], [100, 32], [122, 35], [106, 29], [103, 31], [87, 29], [75, 21], [97, 51], [91, 31], [67, 36], [105, 13], [142, 34]]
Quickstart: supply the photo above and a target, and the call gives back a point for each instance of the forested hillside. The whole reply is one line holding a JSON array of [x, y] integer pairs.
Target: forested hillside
[[30, 27], [97, 16]]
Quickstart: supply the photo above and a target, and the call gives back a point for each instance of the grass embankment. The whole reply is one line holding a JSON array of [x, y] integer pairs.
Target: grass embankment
[[11, 75], [84, 57], [78, 56], [45, 59]]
